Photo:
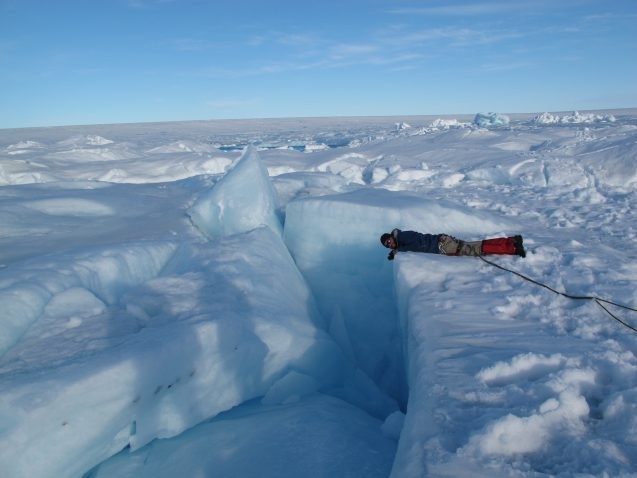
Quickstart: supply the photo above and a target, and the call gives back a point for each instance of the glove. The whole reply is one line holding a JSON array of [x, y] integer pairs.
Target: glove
[[391, 255]]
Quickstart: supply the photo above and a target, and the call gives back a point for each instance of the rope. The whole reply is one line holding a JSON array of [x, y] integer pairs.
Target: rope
[[597, 300]]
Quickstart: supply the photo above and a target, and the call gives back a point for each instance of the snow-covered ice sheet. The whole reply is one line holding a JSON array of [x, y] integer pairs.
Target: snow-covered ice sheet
[[133, 310], [530, 402]]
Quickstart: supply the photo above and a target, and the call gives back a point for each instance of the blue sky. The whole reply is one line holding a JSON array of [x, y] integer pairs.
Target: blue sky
[[113, 61]]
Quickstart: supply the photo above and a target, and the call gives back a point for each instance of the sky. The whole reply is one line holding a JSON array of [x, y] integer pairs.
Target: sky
[[122, 61]]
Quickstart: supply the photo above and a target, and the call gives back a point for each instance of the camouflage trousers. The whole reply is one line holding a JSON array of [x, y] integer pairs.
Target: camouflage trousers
[[451, 246]]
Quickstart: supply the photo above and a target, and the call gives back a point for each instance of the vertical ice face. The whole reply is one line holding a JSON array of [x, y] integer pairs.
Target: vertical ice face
[[334, 241], [242, 200]]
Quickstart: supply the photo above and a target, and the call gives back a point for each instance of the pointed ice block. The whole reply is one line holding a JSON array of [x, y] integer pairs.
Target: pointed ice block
[[242, 200]]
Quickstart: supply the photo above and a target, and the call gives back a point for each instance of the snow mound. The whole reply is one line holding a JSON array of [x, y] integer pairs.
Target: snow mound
[[117, 152], [26, 144], [353, 167], [613, 164], [490, 119], [242, 200], [85, 140], [23, 147]]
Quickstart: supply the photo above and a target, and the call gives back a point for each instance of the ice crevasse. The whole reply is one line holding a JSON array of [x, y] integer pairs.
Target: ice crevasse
[[364, 299], [287, 321]]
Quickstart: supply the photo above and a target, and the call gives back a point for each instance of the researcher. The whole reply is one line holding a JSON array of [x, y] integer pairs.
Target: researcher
[[412, 241]]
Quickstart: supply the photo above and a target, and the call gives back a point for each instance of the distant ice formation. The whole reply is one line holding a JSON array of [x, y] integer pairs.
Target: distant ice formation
[[490, 119], [574, 118]]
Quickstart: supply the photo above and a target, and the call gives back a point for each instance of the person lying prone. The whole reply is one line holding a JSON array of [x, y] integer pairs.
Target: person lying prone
[[412, 241]]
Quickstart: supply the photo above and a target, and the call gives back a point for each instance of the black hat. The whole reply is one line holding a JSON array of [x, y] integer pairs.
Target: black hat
[[384, 238]]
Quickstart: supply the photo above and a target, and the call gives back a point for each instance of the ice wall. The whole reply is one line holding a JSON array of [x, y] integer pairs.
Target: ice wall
[[110, 363], [335, 243], [242, 200]]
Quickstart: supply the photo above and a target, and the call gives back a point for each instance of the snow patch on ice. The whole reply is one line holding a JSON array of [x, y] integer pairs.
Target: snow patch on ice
[[525, 366], [513, 435], [70, 207]]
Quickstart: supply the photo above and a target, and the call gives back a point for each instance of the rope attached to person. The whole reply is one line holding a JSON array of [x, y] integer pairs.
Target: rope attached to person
[[597, 300]]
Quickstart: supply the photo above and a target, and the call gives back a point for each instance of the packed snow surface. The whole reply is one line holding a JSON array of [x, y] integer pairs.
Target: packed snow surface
[[211, 298]]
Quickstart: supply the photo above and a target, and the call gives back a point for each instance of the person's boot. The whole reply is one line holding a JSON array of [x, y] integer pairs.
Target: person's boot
[[519, 246]]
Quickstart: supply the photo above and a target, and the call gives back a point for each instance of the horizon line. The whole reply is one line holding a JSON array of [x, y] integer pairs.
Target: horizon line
[[319, 117]]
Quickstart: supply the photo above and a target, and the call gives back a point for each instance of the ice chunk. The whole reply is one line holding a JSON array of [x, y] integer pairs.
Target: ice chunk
[[491, 119], [217, 327], [440, 123], [575, 118], [242, 200], [546, 118]]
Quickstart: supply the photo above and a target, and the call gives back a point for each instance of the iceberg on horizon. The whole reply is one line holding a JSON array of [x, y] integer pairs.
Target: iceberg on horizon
[[491, 119]]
